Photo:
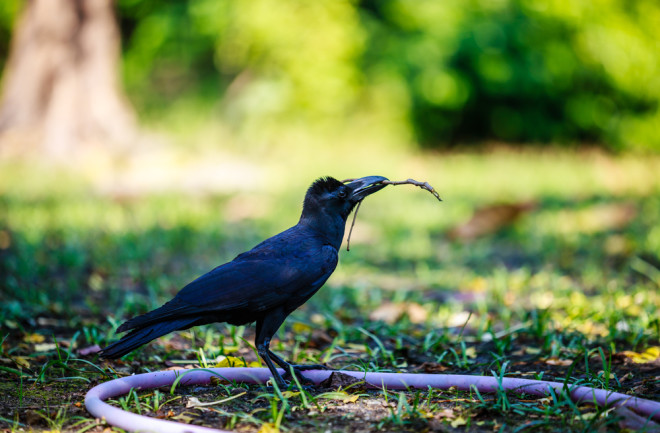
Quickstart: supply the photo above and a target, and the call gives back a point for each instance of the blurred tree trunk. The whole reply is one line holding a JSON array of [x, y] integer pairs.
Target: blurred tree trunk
[[61, 90]]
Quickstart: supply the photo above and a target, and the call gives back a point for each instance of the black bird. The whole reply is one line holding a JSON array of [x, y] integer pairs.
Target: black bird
[[267, 283]]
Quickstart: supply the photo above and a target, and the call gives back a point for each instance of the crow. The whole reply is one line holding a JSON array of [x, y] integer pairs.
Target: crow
[[265, 284]]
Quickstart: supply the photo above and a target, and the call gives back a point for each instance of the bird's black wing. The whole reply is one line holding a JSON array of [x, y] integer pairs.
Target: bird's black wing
[[253, 283]]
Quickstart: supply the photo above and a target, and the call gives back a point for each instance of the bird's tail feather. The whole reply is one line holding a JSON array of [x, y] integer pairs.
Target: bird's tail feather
[[138, 337], [159, 315]]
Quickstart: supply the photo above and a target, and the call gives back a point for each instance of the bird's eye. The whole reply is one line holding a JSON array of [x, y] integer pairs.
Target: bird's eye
[[342, 193]]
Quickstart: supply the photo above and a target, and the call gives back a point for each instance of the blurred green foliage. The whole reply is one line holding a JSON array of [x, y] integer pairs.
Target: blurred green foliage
[[518, 70], [542, 71], [9, 10]]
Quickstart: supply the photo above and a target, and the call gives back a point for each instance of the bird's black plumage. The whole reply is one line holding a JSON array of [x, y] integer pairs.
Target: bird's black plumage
[[263, 285]]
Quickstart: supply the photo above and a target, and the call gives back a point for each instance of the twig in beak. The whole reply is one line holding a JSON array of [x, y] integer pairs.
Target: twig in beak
[[348, 240], [423, 185]]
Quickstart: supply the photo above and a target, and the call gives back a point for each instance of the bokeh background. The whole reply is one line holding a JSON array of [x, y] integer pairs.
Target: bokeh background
[[423, 74], [439, 74]]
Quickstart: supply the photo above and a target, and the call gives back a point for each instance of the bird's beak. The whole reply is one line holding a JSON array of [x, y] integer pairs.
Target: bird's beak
[[360, 188]]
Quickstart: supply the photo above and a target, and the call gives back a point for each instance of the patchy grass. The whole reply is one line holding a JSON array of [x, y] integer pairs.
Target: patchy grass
[[538, 267]]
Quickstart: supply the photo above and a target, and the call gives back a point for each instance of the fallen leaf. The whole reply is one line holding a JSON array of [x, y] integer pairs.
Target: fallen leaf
[[625, 377], [432, 367], [11, 324], [544, 401], [21, 361], [184, 417], [446, 413], [471, 352], [290, 394], [490, 219], [339, 395], [416, 313], [299, 327], [556, 361], [458, 421], [232, 361], [596, 218], [649, 355], [269, 428], [45, 347], [608, 217], [458, 319], [388, 312], [587, 415], [50, 322], [193, 402], [34, 338]]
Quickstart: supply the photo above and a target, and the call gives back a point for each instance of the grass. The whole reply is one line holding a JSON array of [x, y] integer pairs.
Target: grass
[[566, 291]]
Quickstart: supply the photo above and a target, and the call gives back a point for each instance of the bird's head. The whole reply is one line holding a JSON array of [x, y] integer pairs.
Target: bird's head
[[329, 197]]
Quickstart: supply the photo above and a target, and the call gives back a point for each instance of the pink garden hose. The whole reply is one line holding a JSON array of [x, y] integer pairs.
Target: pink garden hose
[[94, 400]]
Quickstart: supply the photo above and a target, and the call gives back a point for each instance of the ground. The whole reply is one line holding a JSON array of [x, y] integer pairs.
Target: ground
[[535, 266]]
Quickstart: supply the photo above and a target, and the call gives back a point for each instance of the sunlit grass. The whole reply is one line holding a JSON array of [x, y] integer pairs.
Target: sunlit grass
[[577, 272], [571, 233]]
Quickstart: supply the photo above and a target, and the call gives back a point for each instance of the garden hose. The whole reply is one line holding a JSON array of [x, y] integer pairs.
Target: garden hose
[[94, 400]]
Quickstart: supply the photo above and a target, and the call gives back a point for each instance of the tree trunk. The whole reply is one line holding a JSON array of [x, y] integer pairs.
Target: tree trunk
[[61, 90]]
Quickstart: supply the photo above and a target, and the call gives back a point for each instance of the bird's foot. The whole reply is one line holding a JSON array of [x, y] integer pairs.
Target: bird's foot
[[304, 367], [287, 382], [298, 369], [299, 376]]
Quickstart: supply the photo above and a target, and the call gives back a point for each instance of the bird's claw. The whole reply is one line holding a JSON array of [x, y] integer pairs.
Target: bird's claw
[[301, 379], [311, 367], [304, 367], [287, 376]]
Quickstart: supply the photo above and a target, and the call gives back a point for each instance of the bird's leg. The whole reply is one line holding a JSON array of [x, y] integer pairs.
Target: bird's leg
[[266, 327], [262, 350]]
